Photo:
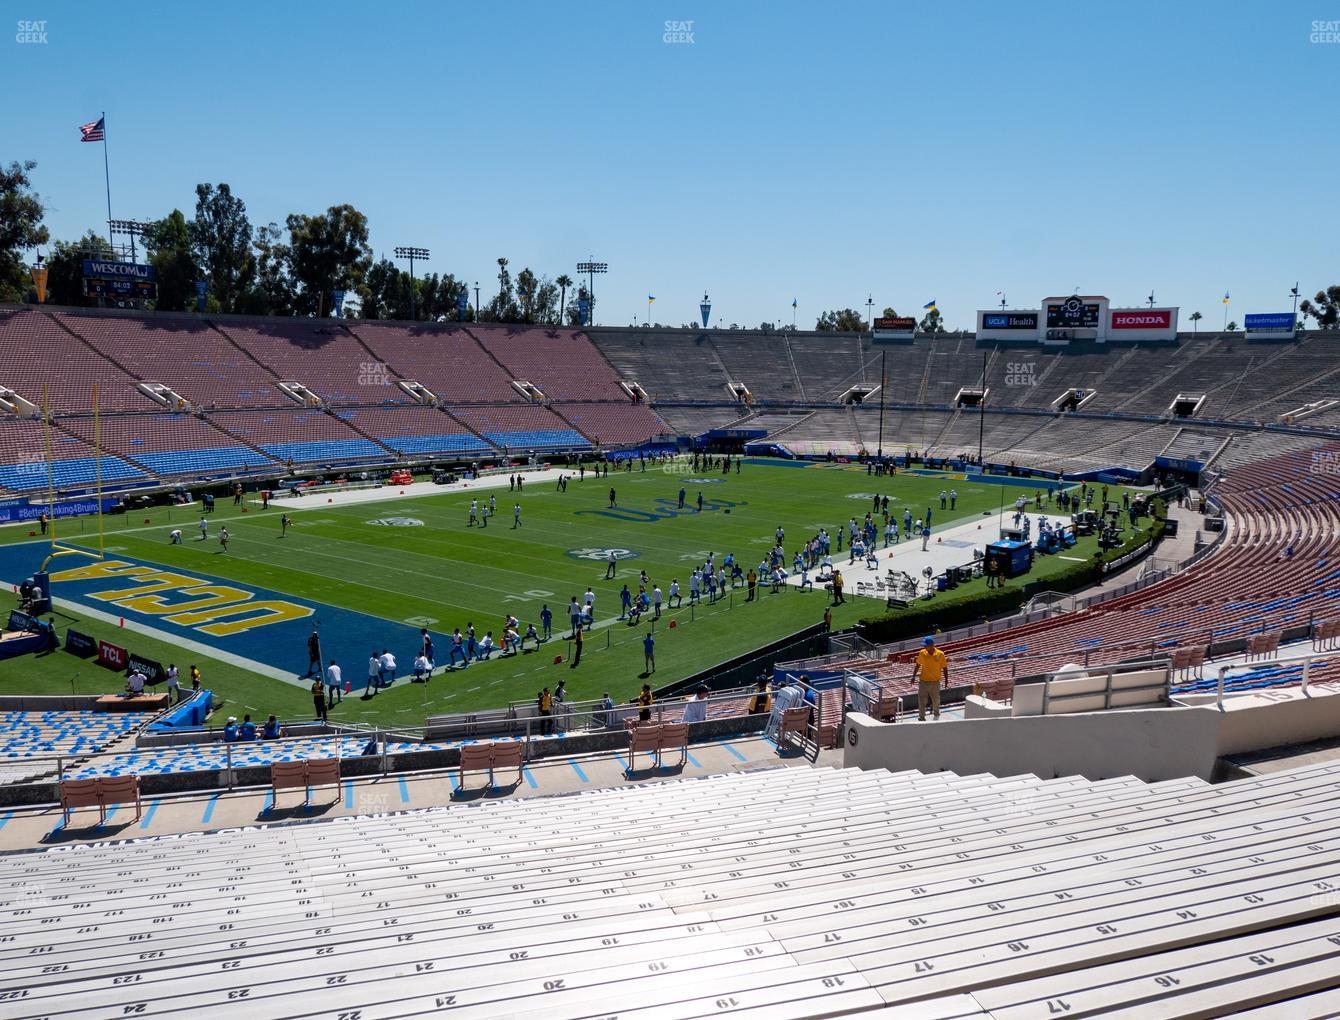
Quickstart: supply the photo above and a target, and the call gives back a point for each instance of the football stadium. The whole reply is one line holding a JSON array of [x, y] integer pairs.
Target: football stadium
[[501, 658]]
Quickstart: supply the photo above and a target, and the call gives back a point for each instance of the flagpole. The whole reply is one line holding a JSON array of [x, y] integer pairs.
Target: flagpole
[[107, 178]]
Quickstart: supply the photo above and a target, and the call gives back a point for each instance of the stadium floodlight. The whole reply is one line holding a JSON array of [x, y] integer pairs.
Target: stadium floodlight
[[411, 253], [591, 268], [128, 228], [1294, 294]]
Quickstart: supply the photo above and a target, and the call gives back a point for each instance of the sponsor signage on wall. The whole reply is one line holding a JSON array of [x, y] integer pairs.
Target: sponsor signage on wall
[[1145, 318]]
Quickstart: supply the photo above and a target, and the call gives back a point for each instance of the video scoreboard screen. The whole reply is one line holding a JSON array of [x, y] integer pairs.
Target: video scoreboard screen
[[1073, 313]]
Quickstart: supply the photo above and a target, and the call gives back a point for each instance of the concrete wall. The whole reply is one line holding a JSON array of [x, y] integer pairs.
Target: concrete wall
[[1186, 739], [1152, 744]]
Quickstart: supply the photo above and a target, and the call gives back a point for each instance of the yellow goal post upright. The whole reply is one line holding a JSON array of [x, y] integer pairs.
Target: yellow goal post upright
[[57, 548]]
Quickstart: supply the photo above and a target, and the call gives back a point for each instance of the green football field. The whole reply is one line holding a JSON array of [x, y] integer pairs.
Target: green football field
[[441, 570]]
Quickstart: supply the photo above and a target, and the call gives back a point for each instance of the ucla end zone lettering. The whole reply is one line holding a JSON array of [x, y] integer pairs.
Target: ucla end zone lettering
[[662, 509], [182, 599], [256, 624]]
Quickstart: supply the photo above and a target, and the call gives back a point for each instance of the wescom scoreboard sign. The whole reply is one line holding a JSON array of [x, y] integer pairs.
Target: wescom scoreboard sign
[[125, 280]]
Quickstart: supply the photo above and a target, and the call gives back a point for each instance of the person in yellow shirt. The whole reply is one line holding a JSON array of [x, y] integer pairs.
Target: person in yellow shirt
[[931, 667]]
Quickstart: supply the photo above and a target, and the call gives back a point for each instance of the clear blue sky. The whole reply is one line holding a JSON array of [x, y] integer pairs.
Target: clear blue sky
[[822, 152]]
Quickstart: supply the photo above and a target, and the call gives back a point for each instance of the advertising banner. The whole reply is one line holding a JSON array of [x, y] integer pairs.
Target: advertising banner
[[1146, 318], [80, 644], [1009, 320], [1270, 322], [153, 671], [112, 656]]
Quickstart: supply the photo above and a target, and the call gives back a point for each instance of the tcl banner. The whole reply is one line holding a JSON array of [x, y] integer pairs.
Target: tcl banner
[[112, 656], [1149, 318]]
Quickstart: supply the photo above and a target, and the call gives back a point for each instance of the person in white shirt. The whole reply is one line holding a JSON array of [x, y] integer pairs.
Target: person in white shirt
[[486, 646], [656, 600], [173, 684], [423, 669], [174, 536], [611, 563], [135, 684], [374, 672], [334, 684], [674, 599], [204, 529], [387, 671], [696, 710], [695, 586]]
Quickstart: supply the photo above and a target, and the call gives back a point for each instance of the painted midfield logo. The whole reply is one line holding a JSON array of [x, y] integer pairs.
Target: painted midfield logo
[[397, 522], [602, 554], [703, 481]]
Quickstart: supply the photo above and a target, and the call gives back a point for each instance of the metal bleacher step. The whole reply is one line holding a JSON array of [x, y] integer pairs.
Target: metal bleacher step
[[786, 893]]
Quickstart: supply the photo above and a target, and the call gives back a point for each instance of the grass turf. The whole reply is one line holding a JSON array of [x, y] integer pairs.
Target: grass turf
[[451, 574]]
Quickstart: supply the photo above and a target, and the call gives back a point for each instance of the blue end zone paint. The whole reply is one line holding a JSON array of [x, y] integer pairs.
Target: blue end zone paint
[[530, 780], [575, 768], [732, 750], [209, 809], [149, 815], [346, 636], [404, 791]]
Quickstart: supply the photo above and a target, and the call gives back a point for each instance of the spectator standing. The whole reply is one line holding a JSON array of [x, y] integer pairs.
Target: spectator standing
[[649, 653], [577, 646], [645, 700], [319, 700], [173, 684], [696, 709], [930, 668]]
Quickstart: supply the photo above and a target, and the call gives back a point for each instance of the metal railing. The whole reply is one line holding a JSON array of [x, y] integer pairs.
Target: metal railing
[[1305, 661], [1164, 686]]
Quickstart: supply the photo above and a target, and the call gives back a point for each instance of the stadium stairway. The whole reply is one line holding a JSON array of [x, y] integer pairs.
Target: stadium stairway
[[784, 893]]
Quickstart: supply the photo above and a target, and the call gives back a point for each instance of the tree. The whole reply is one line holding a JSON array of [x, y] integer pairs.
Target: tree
[[574, 307], [848, 320], [1195, 319], [327, 252], [889, 313], [168, 244], [272, 291], [503, 307], [526, 287], [563, 282], [1324, 308], [384, 294], [1232, 327], [221, 237], [21, 228], [931, 324], [65, 265]]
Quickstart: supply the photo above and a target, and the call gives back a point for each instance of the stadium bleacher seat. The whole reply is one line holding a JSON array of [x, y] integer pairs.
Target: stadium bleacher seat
[[792, 892]]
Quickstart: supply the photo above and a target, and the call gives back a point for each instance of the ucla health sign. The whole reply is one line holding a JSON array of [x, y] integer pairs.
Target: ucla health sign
[[1009, 320]]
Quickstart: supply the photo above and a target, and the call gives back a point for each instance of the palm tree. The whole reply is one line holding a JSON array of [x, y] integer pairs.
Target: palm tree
[[564, 282], [1195, 318]]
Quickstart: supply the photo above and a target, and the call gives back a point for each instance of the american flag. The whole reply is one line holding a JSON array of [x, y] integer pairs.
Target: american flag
[[94, 131]]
